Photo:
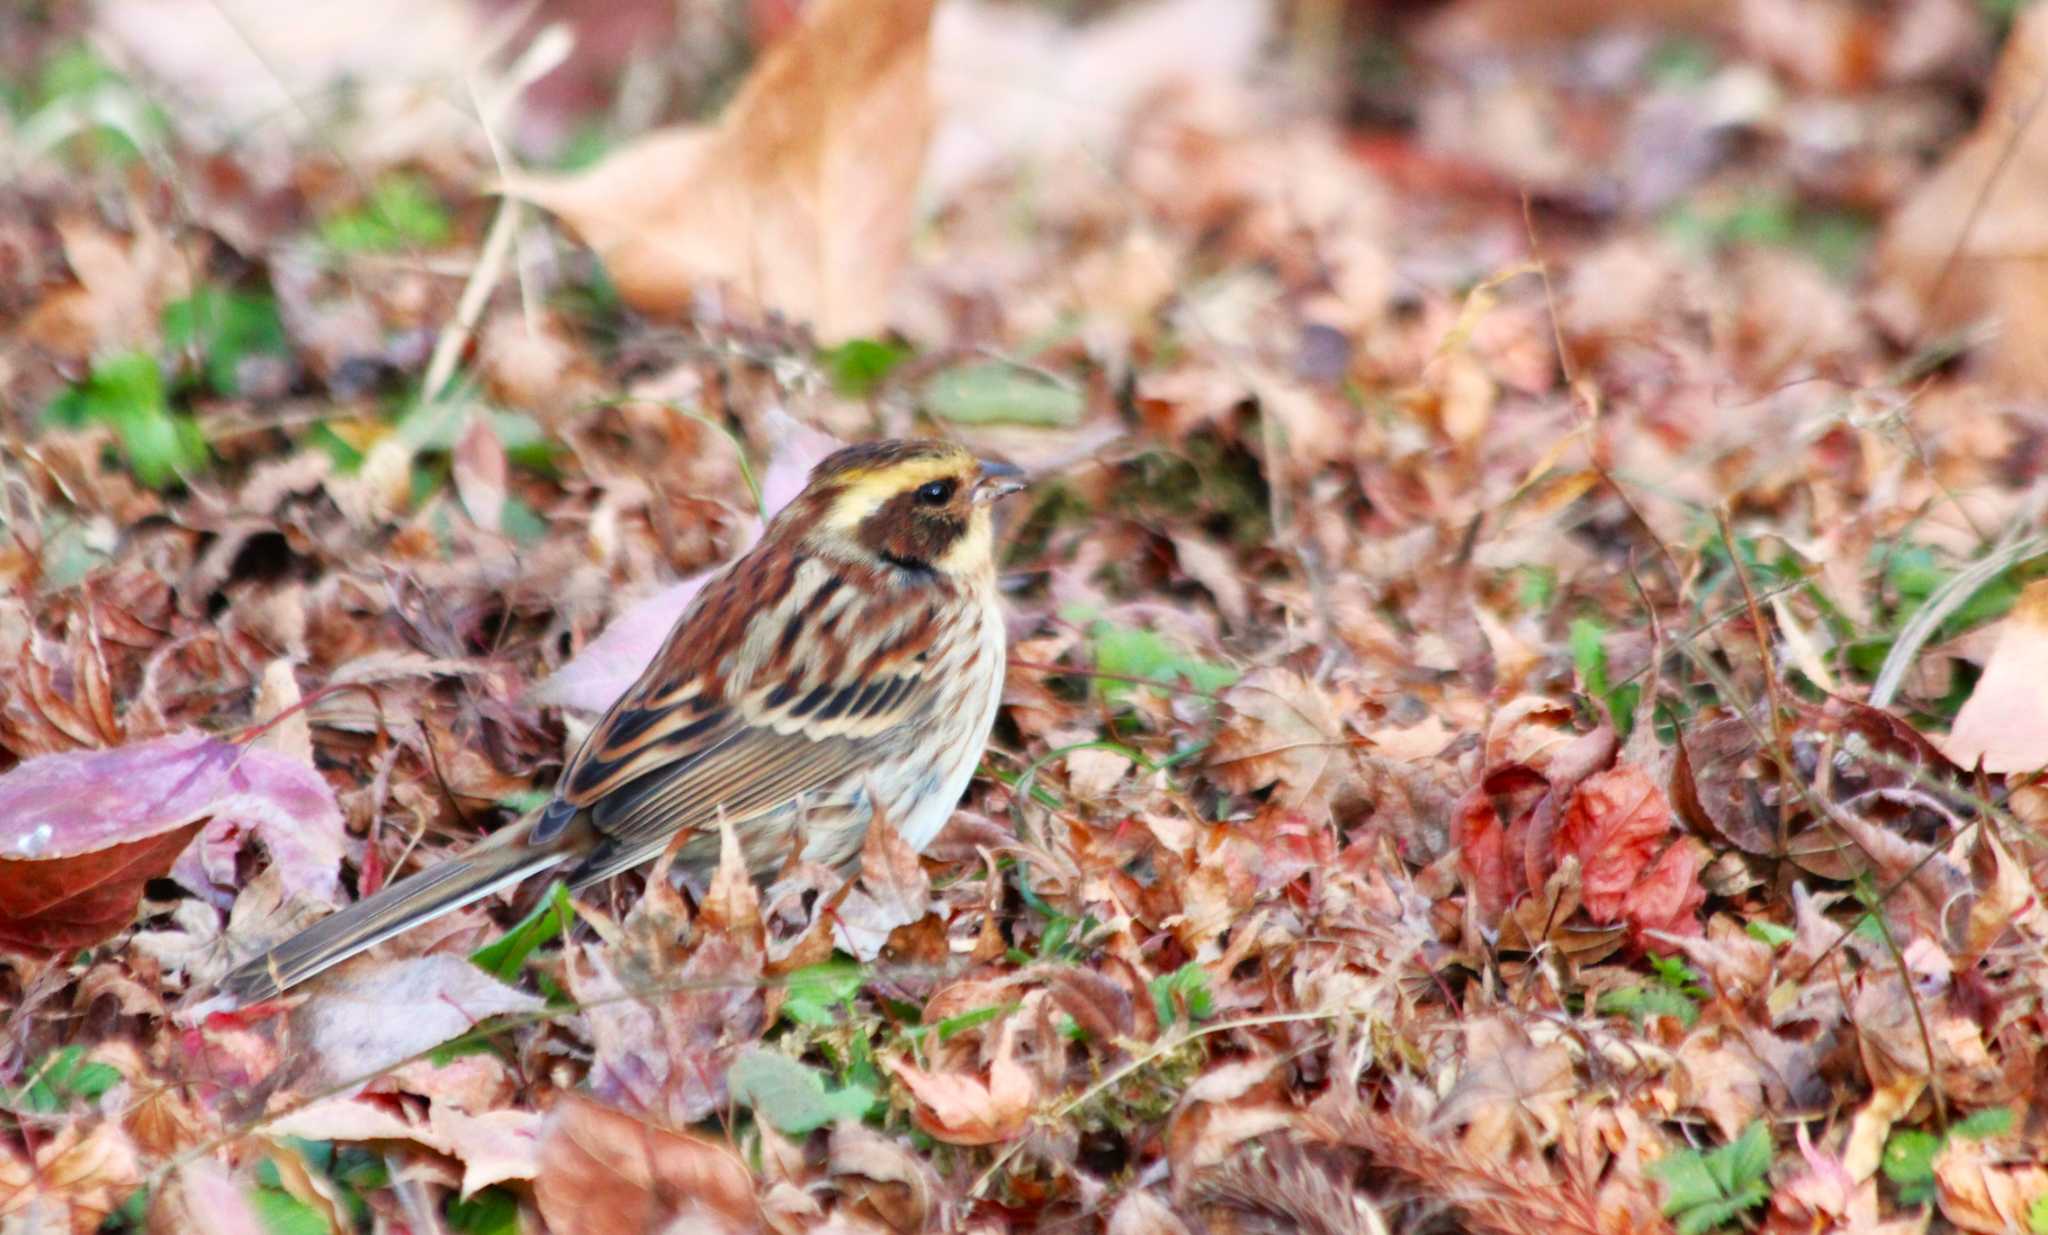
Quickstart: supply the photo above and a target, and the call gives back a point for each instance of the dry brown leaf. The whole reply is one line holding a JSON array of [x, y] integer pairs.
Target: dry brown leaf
[[1143, 1213], [1967, 243], [1284, 730], [962, 1109], [2004, 722], [479, 465], [603, 1172], [893, 891], [799, 199], [75, 1180], [1979, 1189], [371, 1016]]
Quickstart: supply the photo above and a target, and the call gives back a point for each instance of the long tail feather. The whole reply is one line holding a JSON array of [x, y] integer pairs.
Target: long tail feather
[[398, 908]]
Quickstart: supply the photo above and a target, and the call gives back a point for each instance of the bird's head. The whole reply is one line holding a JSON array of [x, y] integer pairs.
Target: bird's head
[[916, 504]]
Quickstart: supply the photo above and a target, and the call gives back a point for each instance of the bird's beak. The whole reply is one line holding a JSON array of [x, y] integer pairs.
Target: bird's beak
[[997, 481]]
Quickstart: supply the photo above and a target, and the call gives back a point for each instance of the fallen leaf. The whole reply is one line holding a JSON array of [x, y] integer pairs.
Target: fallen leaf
[[203, 1197], [1284, 730], [74, 1181], [799, 199], [963, 1109], [478, 462], [603, 1172], [2003, 725], [369, 1017], [892, 891], [81, 832], [1636, 869], [1964, 245], [1014, 83], [1143, 1213], [1980, 1191]]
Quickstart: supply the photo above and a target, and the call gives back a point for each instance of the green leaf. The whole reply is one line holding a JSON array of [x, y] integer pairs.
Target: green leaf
[[1148, 654], [1992, 1121], [815, 993], [1687, 1182], [1589, 655], [2037, 1216], [63, 1077], [281, 1213], [1674, 973], [1186, 987], [1744, 1160], [492, 1211], [1639, 1003], [403, 212], [978, 1016], [224, 327], [1909, 1156], [857, 366], [996, 393], [791, 1096], [1771, 933], [126, 392], [503, 958], [1704, 1191]]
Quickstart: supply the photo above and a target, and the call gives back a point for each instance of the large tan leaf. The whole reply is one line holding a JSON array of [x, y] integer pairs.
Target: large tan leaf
[[2004, 723], [604, 1172], [798, 200], [1968, 242]]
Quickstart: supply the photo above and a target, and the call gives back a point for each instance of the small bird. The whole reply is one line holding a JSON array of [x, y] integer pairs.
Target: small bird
[[852, 660]]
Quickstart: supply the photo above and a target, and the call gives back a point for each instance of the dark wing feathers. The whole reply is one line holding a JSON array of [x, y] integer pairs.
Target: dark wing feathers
[[753, 714]]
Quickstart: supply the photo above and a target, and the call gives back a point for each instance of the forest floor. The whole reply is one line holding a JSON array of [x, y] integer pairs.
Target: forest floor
[[1528, 633]]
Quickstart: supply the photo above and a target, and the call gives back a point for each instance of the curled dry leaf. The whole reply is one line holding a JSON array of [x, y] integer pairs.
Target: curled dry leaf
[[1979, 1190], [1957, 249], [900, 1185], [603, 1172], [369, 1017], [480, 471], [1637, 869], [81, 833], [1283, 730], [961, 1109], [74, 1181], [2003, 726], [893, 891], [493, 1146], [800, 198]]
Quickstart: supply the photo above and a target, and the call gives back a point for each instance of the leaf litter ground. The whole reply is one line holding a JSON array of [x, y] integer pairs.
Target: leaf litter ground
[[1523, 708]]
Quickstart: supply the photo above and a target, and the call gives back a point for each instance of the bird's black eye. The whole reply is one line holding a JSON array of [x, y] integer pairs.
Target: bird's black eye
[[935, 493]]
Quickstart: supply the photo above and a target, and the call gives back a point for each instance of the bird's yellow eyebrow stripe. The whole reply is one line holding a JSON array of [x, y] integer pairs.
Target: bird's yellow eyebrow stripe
[[865, 490]]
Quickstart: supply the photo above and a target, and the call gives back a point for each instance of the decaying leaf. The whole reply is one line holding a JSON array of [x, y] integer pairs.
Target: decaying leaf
[[375, 1015], [799, 198], [2003, 726], [893, 891], [607, 1173], [1288, 732], [81, 833]]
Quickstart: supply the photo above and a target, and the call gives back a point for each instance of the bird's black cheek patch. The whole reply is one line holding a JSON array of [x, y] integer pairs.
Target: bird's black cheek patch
[[909, 536]]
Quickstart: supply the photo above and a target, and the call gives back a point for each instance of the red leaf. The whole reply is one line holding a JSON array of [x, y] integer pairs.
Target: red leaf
[[1502, 802], [60, 904], [1620, 827]]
